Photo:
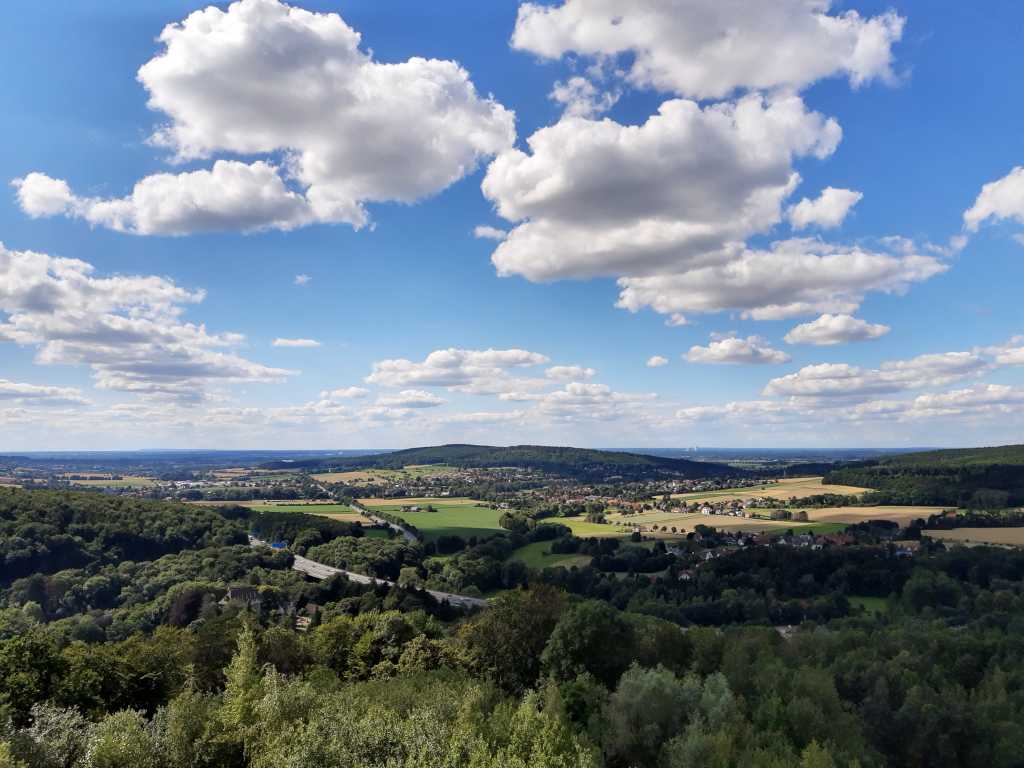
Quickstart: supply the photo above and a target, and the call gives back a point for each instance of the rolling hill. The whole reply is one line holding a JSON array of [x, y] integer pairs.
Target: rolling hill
[[984, 478], [579, 463]]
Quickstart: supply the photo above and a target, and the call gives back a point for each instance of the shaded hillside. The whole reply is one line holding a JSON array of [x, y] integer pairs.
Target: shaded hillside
[[579, 463], [982, 478]]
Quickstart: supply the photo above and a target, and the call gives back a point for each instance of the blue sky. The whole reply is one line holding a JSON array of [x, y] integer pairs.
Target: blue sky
[[162, 334]]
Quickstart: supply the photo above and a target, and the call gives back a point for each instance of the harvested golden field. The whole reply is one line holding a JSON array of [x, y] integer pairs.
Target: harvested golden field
[[345, 517], [354, 476], [684, 523], [786, 488], [1011, 537], [230, 473], [901, 515], [421, 502]]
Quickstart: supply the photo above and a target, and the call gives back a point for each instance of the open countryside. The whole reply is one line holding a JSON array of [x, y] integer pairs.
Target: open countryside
[[1012, 537], [450, 516], [385, 475], [782, 490], [897, 514]]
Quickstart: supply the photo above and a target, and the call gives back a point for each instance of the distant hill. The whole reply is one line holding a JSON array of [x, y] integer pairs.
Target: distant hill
[[983, 478], [580, 463]]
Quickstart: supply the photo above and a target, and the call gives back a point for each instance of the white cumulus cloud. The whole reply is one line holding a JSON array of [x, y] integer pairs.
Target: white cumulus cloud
[[656, 361], [795, 277], [828, 330], [344, 393], [569, 372], [411, 398], [732, 350], [36, 394], [998, 200], [581, 98], [710, 48], [486, 232], [300, 343], [262, 78], [827, 211], [682, 190], [127, 329], [479, 371], [844, 380]]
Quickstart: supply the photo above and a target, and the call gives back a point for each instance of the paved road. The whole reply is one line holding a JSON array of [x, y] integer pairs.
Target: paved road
[[320, 571], [409, 535]]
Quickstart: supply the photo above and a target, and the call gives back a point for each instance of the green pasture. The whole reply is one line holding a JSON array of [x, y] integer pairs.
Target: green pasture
[[538, 556], [459, 519]]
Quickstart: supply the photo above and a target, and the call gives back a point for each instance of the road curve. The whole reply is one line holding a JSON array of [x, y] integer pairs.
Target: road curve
[[365, 512], [321, 571]]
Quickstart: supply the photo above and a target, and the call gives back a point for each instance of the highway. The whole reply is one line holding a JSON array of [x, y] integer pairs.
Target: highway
[[321, 571]]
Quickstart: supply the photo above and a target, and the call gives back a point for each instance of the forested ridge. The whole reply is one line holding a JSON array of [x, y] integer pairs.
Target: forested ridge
[[982, 478], [580, 463], [149, 662]]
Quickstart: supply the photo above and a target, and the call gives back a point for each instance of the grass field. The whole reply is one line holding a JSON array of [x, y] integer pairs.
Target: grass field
[[126, 481], [376, 533], [783, 490], [538, 556], [310, 508], [901, 515], [1012, 537], [870, 604], [454, 517]]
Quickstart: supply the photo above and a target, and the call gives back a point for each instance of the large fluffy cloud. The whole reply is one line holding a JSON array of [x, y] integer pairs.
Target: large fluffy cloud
[[732, 350], [265, 79], [829, 330], [710, 48], [792, 278], [684, 189], [998, 200], [127, 329]]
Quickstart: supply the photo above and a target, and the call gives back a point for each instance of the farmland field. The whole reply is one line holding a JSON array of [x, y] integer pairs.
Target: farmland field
[[454, 501], [901, 515], [1000, 536], [538, 555], [310, 508], [125, 481], [686, 522], [585, 530], [454, 517], [385, 475], [784, 489]]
